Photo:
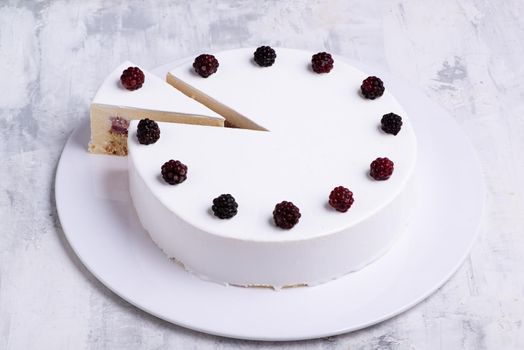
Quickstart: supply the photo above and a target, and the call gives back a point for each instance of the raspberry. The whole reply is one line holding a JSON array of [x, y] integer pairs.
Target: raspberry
[[205, 65], [265, 56], [391, 123], [381, 169], [147, 131], [174, 172], [322, 62], [132, 78], [372, 87], [225, 206], [286, 215], [341, 199]]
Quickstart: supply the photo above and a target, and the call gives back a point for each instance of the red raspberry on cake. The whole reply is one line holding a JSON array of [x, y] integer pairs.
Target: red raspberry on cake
[[381, 169], [372, 87], [205, 65], [341, 199], [132, 78]]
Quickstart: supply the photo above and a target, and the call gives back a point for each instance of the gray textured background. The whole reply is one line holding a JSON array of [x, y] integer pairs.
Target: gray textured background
[[464, 54]]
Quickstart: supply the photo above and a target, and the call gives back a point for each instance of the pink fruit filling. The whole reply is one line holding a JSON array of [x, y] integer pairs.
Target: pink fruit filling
[[119, 125]]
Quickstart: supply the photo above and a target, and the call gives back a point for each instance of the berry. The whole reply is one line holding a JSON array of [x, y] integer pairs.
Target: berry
[[265, 56], [225, 206], [341, 199], [147, 131], [391, 123], [381, 169], [322, 62], [119, 125], [132, 78], [286, 215], [372, 87], [205, 65], [174, 172]]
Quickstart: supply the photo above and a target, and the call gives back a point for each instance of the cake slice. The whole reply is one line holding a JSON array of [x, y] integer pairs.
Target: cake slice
[[114, 106]]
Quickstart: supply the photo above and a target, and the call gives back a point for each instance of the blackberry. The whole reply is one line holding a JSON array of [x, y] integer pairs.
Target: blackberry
[[372, 87], [225, 206], [286, 215], [205, 65], [147, 131], [341, 199], [132, 78], [381, 169], [322, 62], [265, 56], [391, 123], [174, 172]]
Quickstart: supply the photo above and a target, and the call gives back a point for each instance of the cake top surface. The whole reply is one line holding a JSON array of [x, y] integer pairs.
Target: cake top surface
[[288, 96], [155, 94], [322, 134]]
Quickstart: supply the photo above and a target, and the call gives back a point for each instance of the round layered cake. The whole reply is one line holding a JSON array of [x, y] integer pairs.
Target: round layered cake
[[299, 135]]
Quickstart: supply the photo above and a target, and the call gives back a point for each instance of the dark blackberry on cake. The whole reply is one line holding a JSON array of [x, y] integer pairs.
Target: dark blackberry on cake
[[174, 172], [224, 206], [132, 78], [205, 65], [286, 215], [391, 123], [265, 56], [322, 62], [372, 87], [147, 131]]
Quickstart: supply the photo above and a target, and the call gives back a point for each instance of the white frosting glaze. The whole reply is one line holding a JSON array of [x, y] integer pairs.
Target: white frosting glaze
[[323, 134], [155, 94]]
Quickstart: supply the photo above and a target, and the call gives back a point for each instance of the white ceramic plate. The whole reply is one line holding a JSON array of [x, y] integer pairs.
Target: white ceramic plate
[[100, 223]]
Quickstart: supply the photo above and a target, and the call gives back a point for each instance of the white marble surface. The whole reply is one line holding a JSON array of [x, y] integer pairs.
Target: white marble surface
[[464, 54]]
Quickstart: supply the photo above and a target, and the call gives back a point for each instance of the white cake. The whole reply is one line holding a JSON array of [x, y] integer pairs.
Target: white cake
[[114, 105], [322, 134]]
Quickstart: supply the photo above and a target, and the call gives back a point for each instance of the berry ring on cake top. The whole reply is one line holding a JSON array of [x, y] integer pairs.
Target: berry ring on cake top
[[299, 157]]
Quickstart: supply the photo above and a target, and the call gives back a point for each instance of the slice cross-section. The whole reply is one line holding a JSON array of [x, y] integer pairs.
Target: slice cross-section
[[114, 106]]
